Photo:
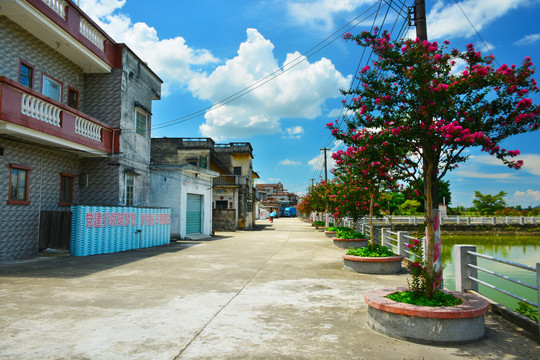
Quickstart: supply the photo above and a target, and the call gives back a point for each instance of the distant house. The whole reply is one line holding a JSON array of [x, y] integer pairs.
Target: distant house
[[226, 171], [275, 196], [75, 116], [181, 180]]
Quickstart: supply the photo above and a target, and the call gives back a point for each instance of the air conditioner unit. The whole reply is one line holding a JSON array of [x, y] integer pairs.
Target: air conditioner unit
[[83, 180]]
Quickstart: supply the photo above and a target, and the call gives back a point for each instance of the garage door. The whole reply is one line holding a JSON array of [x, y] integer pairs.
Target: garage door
[[193, 216]]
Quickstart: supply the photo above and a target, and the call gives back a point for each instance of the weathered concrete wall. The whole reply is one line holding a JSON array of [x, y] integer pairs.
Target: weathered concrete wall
[[223, 219]]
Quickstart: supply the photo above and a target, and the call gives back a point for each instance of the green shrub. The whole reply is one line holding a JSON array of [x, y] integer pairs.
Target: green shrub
[[318, 223], [440, 298], [337, 228], [349, 234]]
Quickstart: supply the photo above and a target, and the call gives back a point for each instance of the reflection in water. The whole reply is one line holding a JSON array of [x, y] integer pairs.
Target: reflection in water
[[521, 249]]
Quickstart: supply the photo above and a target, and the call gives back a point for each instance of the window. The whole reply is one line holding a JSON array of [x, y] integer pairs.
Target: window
[[18, 184], [237, 170], [203, 162], [130, 184], [26, 74], [73, 98], [51, 88], [249, 206], [142, 123], [66, 189], [221, 204]]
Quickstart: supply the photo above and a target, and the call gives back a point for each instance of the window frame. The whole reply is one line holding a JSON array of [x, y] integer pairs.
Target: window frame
[[27, 170], [60, 200], [52, 79], [127, 198], [76, 92], [146, 115], [32, 73], [221, 203], [239, 172]]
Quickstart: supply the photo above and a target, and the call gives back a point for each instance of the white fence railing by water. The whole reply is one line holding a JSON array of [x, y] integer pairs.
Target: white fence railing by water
[[465, 260], [460, 220]]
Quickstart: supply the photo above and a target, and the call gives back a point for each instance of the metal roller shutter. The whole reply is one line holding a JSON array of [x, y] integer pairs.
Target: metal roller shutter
[[193, 214]]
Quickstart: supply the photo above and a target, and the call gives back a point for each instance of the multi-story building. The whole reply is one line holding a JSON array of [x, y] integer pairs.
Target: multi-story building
[[232, 190], [75, 115]]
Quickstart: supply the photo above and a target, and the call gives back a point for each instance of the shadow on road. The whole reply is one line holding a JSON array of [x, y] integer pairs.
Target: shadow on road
[[80, 266]]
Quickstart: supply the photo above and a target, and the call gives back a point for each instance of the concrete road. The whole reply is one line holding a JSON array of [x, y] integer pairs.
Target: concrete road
[[277, 293]]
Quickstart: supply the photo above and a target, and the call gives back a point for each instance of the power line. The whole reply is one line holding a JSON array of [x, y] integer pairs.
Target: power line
[[278, 72]]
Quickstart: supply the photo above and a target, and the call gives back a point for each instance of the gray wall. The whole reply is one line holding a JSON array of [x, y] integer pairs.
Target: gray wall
[[19, 223], [16, 43]]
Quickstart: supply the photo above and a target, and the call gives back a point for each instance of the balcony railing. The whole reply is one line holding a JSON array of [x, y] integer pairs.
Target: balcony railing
[[92, 34], [59, 6], [22, 109], [230, 180], [66, 28]]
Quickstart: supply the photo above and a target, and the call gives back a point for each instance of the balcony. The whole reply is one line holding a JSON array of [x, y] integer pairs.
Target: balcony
[[230, 180], [65, 28], [29, 115]]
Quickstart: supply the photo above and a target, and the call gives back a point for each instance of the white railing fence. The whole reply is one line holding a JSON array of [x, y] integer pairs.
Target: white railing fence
[[40, 109], [466, 263]]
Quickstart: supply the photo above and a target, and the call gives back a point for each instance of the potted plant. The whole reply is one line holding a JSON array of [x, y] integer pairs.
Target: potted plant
[[444, 318], [348, 238], [419, 110]]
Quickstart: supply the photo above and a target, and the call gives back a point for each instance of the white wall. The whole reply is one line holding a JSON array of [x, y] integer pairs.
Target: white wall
[[169, 188]]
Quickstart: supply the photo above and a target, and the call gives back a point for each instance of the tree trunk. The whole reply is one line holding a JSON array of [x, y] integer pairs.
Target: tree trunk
[[371, 234], [431, 213]]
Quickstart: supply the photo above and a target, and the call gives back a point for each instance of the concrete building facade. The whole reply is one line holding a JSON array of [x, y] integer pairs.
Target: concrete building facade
[[75, 116]]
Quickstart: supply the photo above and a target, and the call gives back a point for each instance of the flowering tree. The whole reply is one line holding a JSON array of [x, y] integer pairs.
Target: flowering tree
[[423, 108], [365, 162], [350, 197]]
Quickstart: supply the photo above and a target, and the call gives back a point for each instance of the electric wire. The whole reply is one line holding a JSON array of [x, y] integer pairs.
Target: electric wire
[[278, 72]]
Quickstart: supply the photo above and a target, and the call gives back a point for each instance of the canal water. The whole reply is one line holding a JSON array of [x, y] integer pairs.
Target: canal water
[[520, 249]]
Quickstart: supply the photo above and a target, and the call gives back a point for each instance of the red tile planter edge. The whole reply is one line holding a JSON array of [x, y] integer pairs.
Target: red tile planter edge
[[339, 239], [472, 306]]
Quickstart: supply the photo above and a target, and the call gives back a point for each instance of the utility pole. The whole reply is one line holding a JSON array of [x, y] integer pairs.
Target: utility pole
[[312, 184], [420, 19], [325, 165]]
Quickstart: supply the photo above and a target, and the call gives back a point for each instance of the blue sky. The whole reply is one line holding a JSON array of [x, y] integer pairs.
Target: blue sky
[[209, 52]]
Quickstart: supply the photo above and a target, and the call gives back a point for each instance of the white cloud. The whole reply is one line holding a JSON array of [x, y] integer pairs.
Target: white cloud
[[527, 196], [483, 175], [447, 20], [528, 39], [320, 13], [531, 162], [290, 162], [294, 132], [172, 59], [294, 92]]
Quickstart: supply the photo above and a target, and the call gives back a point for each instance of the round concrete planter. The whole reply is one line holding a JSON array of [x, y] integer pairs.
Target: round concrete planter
[[424, 324], [373, 265], [350, 243], [321, 228], [330, 234]]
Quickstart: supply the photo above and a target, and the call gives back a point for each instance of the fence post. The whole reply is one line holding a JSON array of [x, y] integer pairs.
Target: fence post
[[481, 220], [507, 219], [538, 288], [463, 271], [383, 236], [458, 220], [401, 242], [533, 220], [468, 220], [494, 220], [521, 220]]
